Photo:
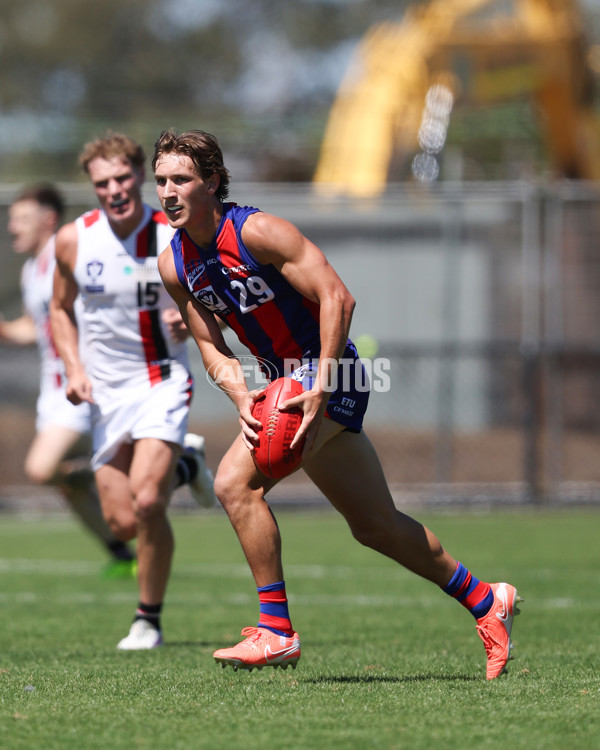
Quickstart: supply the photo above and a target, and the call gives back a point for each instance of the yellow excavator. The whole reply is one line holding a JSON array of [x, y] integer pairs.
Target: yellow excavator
[[405, 78]]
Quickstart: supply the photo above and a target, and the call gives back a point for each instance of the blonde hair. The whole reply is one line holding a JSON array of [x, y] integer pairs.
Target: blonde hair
[[110, 146]]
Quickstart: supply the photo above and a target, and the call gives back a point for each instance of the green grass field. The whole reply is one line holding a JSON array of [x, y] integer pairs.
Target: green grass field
[[388, 661]]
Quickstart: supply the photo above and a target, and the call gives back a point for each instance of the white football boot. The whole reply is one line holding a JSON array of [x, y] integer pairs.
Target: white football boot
[[142, 635]]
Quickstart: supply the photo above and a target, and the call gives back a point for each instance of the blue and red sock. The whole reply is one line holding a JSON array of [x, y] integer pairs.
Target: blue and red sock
[[274, 613], [472, 593]]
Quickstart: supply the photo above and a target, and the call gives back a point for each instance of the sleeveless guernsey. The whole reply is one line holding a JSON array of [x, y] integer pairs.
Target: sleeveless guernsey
[[124, 341]]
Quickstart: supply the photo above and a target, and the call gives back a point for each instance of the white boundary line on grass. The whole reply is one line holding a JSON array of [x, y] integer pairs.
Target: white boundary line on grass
[[198, 599], [232, 570], [41, 566]]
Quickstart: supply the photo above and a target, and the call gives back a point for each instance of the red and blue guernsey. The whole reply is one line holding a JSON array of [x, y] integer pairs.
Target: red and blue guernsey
[[270, 317]]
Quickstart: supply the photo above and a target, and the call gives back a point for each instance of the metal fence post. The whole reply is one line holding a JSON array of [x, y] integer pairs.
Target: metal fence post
[[531, 341], [452, 228], [553, 292]]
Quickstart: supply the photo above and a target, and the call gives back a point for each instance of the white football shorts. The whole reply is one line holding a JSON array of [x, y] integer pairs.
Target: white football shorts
[[129, 414]]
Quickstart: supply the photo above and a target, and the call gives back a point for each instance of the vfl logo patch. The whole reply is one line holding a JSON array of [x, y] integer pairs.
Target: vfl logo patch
[[210, 299], [199, 285], [94, 270]]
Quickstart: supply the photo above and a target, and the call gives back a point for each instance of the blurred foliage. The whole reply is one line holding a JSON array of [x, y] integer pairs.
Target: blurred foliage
[[510, 143], [260, 74]]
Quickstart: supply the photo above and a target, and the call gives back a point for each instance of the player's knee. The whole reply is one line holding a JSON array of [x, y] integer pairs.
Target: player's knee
[[228, 489], [225, 487], [374, 532], [220, 487], [38, 474], [149, 506]]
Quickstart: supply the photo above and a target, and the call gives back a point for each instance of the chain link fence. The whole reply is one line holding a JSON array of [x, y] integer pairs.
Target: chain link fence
[[477, 314]]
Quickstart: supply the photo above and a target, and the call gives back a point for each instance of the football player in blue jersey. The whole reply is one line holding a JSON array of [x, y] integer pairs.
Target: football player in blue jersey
[[261, 276]]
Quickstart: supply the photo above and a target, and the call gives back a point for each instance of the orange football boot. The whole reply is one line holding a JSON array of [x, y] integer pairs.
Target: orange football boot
[[261, 648], [495, 627]]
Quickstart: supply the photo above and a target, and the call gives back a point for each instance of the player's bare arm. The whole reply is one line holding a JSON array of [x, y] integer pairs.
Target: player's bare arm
[[62, 316], [20, 331], [276, 241], [220, 362]]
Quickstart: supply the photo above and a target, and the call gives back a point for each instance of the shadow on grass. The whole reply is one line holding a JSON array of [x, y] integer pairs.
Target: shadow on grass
[[347, 679], [369, 679]]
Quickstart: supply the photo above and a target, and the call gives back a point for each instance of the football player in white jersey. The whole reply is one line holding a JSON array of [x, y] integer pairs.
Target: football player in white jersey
[[59, 452], [128, 360]]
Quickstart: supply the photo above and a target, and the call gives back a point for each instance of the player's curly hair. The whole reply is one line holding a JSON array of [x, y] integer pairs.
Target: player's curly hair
[[202, 148], [112, 145]]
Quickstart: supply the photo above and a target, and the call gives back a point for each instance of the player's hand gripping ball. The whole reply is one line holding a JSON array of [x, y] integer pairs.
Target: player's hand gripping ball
[[273, 455]]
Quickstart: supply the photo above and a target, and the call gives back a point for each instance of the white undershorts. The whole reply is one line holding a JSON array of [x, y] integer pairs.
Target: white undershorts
[[53, 409], [132, 413]]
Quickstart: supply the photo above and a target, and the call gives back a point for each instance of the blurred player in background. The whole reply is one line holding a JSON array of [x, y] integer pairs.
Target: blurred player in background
[[59, 452], [128, 360], [277, 291]]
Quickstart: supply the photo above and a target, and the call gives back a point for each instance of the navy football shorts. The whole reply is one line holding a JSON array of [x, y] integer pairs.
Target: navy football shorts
[[349, 390]]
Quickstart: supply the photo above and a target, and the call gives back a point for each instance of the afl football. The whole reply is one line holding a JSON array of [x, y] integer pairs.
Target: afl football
[[273, 455]]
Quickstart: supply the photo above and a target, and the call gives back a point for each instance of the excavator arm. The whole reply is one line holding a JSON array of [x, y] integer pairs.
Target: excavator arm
[[476, 51]]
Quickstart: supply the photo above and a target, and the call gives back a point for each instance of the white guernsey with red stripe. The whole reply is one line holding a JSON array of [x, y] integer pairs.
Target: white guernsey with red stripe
[[52, 406], [36, 289], [124, 341]]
